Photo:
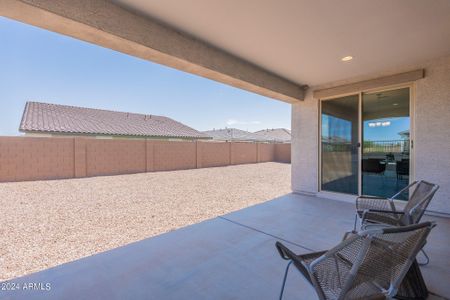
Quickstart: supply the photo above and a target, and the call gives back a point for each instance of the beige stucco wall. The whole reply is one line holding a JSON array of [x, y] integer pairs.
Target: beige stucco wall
[[304, 143], [431, 129]]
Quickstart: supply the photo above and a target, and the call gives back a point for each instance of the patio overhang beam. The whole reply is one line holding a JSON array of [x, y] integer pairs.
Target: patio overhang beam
[[108, 25], [370, 84]]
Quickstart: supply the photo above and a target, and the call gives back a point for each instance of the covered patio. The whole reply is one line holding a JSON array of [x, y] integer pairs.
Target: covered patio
[[228, 257], [301, 52]]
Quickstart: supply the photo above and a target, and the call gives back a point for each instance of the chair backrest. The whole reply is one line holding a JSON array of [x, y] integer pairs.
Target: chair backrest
[[371, 263], [373, 165], [402, 167], [389, 255], [418, 202]]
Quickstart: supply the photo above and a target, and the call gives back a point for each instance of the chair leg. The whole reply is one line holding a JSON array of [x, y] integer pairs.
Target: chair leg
[[356, 221], [284, 279], [427, 259]]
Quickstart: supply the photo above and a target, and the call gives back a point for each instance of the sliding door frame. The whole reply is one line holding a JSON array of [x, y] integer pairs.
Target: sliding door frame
[[411, 86], [338, 194]]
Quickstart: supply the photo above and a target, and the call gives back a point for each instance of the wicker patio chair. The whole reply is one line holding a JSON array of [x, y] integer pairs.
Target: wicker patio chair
[[372, 264], [383, 211]]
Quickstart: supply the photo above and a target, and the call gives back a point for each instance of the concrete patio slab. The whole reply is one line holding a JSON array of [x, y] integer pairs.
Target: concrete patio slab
[[215, 259], [318, 224], [229, 257], [314, 223], [437, 272]]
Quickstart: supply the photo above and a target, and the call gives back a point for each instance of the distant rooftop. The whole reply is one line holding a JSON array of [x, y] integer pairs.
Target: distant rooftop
[[276, 134], [232, 134], [53, 118]]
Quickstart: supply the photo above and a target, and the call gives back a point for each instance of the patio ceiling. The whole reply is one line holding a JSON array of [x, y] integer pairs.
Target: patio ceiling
[[272, 48], [109, 25], [304, 40]]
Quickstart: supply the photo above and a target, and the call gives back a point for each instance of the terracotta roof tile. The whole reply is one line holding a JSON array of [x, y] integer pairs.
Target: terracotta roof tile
[[232, 134], [54, 118], [276, 135]]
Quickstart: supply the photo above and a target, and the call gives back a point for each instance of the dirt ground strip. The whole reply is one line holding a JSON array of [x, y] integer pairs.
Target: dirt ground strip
[[47, 223]]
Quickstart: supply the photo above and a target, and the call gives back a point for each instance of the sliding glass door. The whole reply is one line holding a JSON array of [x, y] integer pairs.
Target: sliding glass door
[[339, 144], [365, 143], [386, 142]]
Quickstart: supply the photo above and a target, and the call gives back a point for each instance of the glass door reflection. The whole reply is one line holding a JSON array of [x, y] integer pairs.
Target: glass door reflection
[[385, 142], [339, 141]]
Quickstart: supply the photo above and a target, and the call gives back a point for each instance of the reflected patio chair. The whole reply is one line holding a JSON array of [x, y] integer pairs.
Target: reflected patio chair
[[373, 264], [402, 168], [374, 165], [376, 210], [390, 157]]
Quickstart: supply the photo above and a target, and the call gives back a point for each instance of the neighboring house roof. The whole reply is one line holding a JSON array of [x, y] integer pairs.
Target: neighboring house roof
[[232, 134], [276, 135], [54, 118]]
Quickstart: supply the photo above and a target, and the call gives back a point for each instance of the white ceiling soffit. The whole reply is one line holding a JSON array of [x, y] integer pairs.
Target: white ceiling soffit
[[304, 40]]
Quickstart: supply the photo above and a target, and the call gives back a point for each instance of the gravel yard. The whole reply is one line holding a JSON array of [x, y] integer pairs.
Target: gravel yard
[[47, 223]]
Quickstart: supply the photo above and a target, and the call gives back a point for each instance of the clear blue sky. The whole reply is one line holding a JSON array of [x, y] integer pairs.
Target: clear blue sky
[[390, 132], [343, 128], [39, 65]]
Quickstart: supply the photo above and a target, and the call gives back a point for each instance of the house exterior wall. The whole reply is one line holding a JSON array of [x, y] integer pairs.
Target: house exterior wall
[[304, 143], [431, 133]]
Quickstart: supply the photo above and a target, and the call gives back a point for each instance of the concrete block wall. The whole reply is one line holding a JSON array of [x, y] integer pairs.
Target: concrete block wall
[[282, 153], [211, 154], [244, 153], [80, 157], [26, 158], [266, 152], [112, 157], [36, 158], [168, 156]]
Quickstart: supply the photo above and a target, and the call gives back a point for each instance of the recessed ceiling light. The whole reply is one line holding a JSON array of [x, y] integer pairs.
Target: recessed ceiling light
[[395, 104], [378, 124], [347, 58]]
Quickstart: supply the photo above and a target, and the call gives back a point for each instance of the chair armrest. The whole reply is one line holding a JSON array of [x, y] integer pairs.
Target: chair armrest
[[372, 197], [284, 252], [404, 189], [373, 203], [383, 211], [349, 234], [381, 216]]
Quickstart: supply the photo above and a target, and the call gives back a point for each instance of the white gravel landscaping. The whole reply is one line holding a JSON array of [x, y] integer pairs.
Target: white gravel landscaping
[[47, 223]]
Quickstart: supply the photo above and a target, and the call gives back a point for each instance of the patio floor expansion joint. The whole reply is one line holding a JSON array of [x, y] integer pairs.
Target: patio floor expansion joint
[[266, 233], [298, 245]]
